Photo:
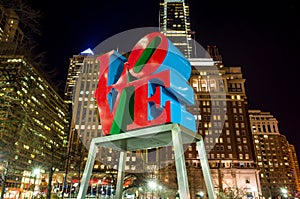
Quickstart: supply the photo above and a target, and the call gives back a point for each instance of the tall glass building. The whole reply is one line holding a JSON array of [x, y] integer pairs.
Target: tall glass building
[[33, 121], [175, 24], [33, 117]]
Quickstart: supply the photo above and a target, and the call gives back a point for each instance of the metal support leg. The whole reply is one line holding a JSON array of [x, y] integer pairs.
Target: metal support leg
[[121, 172], [183, 184], [87, 171], [205, 169]]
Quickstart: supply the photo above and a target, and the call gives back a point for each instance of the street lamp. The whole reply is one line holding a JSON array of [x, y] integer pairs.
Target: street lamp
[[201, 194], [284, 192], [152, 186]]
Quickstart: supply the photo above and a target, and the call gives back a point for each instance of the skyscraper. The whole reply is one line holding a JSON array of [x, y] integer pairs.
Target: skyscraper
[[33, 121], [273, 153], [11, 36], [33, 117], [175, 24], [222, 114], [81, 85], [76, 63], [221, 111]]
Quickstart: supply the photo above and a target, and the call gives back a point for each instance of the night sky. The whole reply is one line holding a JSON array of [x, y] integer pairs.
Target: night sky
[[260, 36]]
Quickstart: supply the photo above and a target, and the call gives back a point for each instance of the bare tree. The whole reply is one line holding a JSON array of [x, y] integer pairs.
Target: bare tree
[[29, 22]]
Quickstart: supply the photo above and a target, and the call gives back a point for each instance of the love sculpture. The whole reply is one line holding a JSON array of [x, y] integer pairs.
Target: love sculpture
[[142, 104], [149, 89]]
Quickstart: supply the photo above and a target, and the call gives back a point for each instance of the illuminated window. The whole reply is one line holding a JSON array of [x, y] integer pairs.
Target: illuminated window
[[227, 132], [213, 85], [236, 125], [132, 167], [195, 84], [203, 85]]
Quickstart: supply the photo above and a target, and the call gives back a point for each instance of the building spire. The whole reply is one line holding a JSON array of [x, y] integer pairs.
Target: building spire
[[215, 55], [167, 1]]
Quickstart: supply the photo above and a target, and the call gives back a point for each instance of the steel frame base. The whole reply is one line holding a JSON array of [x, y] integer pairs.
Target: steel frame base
[[152, 137]]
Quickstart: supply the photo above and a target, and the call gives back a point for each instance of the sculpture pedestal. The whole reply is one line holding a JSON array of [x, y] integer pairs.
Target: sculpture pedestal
[[152, 137]]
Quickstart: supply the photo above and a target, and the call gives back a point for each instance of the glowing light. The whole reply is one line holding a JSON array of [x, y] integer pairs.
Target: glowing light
[[88, 52], [284, 191], [201, 193], [152, 184], [36, 171]]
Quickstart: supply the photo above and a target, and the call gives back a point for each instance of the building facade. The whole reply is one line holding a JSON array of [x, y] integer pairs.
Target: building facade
[[33, 117], [82, 82], [76, 64], [33, 122], [278, 170], [11, 36], [175, 24], [222, 120], [295, 167]]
